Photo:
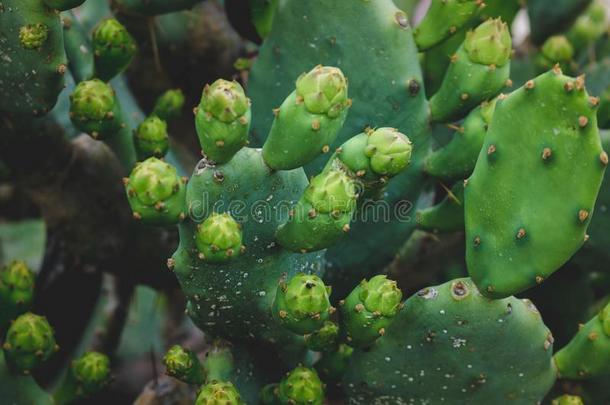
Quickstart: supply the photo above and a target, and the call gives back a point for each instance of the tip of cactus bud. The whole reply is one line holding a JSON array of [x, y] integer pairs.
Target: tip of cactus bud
[[113, 47], [389, 151], [304, 303], [151, 138], [323, 90], [91, 100], [217, 392], [92, 372], [224, 100], [178, 361], [33, 36], [29, 342], [567, 400], [381, 295], [219, 238], [490, 43], [331, 191], [169, 104], [16, 286], [301, 386], [558, 49]]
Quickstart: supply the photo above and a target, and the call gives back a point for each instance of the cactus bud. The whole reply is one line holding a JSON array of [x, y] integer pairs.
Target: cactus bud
[[113, 48], [218, 363], [16, 291], [324, 90], [94, 108], [369, 309], [389, 151], [331, 191], [184, 365], [218, 393], [219, 238], [91, 372], [302, 305], [567, 400], [555, 50], [29, 342], [324, 339], [332, 365], [301, 386], [490, 43], [169, 104], [156, 193], [223, 120], [151, 139], [33, 36]]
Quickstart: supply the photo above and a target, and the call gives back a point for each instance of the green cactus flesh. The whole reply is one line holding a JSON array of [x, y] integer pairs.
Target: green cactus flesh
[[484, 58], [29, 342], [218, 393], [223, 297], [156, 193], [324, 339], [20, 389], [451, 344], [548, 17], [443, 19], [446, 216], [301, 386], [154, 7], [309, 120], [151, 139], [507, 224], [78, 48], [184, 365], [301, 303], [169, 104], [113, 48], [333, 364], [32, 57], [62, 5], [586, 355], [393, 96], [222, 120], [369, 309], [16, 291]]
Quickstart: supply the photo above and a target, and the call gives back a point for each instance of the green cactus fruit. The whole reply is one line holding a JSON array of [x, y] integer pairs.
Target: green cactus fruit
[[556, 50], [443, 19], [33, 61], [456, 160], [63, 5], [29, 342], [446, 216], [222, 120], [324, 339], [16, 291], [301, 305], [548, 17], [434, 349], [113, 47], [78, 48], [150, 138], [219, 238], [301, 386], [184, 365], [556, 152], [218, 393], [586, 355], [169, 105], [369, 309], [269, 395], [91, 372], [484, 58], [389, 151], [156, 193], [333, 364], [309, 119], [589, 26], [219, 364], [322, 215], [94, 109], [568, 400]]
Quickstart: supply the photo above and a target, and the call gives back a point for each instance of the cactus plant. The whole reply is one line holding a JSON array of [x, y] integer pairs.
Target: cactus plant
[[295, 188]]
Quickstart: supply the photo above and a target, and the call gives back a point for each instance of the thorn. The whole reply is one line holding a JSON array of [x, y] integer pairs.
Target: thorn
[[603, 157], [546, 153], [521, 233], [583, 121], [583, 215], [529, 85]]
